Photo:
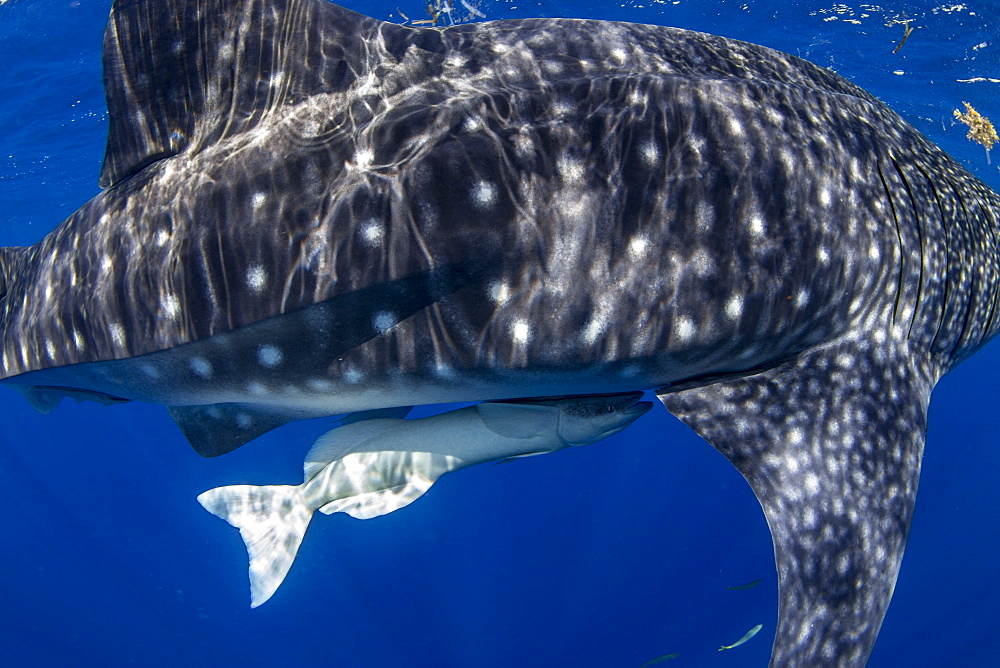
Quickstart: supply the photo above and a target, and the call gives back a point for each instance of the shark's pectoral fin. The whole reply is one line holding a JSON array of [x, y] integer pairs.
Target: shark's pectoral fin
[[831, 443], [216, 429]]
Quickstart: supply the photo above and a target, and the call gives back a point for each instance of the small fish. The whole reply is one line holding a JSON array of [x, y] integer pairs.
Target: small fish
[[749, 634], [907, 29], [748, 585], [661, 659]]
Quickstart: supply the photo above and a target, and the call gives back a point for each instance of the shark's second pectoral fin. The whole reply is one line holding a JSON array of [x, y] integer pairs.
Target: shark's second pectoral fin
[[377, 483], [831, 443], [216, 429], [44, 399]]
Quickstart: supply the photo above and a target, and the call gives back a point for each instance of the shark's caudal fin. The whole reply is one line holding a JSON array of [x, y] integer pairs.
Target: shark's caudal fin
[[272, 521], [831, 444], [170, 62]]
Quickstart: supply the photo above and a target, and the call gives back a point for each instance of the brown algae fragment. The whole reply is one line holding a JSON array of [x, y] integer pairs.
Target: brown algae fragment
[[981, 130]]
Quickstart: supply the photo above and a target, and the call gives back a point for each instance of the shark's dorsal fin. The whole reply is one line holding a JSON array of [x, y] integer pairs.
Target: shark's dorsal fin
[[830, 443], [181, 75]]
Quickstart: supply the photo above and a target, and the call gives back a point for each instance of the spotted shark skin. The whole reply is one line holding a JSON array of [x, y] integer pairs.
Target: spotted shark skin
[[309, 212]]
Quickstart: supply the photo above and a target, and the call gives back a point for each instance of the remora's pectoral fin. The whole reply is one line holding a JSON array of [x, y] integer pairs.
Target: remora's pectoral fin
[[216, 429], [381, 482], [831, 443]]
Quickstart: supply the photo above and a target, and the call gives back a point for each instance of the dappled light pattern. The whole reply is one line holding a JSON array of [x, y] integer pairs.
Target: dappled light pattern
[[310, 212]]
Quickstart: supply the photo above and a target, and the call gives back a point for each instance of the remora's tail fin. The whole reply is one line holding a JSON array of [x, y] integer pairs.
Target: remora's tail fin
[[272, 521]]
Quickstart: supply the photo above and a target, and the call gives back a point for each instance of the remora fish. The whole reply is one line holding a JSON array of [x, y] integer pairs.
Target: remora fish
[[746, 636], [309, 212], [371, 468]]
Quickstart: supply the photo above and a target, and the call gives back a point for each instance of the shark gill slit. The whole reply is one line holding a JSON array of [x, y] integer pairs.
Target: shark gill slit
[[986, 284], [899, 238], [920, 245], [969, 299], [947, 253], [995, 296]]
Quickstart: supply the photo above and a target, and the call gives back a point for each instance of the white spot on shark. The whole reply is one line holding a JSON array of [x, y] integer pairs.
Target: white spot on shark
[[684, 328], [258, 200], [371, 233], [170, 306], [319, 384], [499, 292], [117, 333], [484, 194], [638, 246], [734, 307], [383, 321], [650, 154], [594, 329], [200, 367], [269, 356], [256, 278], [570, 169], [521, 331], [363, 158]]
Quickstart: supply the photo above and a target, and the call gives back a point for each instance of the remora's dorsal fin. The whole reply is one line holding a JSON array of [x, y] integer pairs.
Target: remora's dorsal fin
[[180, 74], [831, 444]]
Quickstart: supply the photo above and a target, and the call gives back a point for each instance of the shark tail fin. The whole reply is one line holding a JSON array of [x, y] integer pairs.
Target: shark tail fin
[[272, 521]]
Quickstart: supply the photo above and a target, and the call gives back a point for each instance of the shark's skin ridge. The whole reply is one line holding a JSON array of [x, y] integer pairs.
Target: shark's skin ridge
[[310, 212]]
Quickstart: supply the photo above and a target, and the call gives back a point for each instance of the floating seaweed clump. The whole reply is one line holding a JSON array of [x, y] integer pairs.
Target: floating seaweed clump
[[981, 130]]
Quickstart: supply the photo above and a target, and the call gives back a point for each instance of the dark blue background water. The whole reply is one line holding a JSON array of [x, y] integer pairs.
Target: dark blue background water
[[602, 556]]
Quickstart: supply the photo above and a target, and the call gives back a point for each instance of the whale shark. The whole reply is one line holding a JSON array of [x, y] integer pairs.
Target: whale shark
[[372, 467], [308, 212]]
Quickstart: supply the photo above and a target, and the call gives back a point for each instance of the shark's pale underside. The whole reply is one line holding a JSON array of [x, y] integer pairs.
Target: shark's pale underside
[[310, 212]]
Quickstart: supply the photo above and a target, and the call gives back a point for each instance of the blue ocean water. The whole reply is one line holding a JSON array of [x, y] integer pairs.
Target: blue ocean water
[[603, 556]]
